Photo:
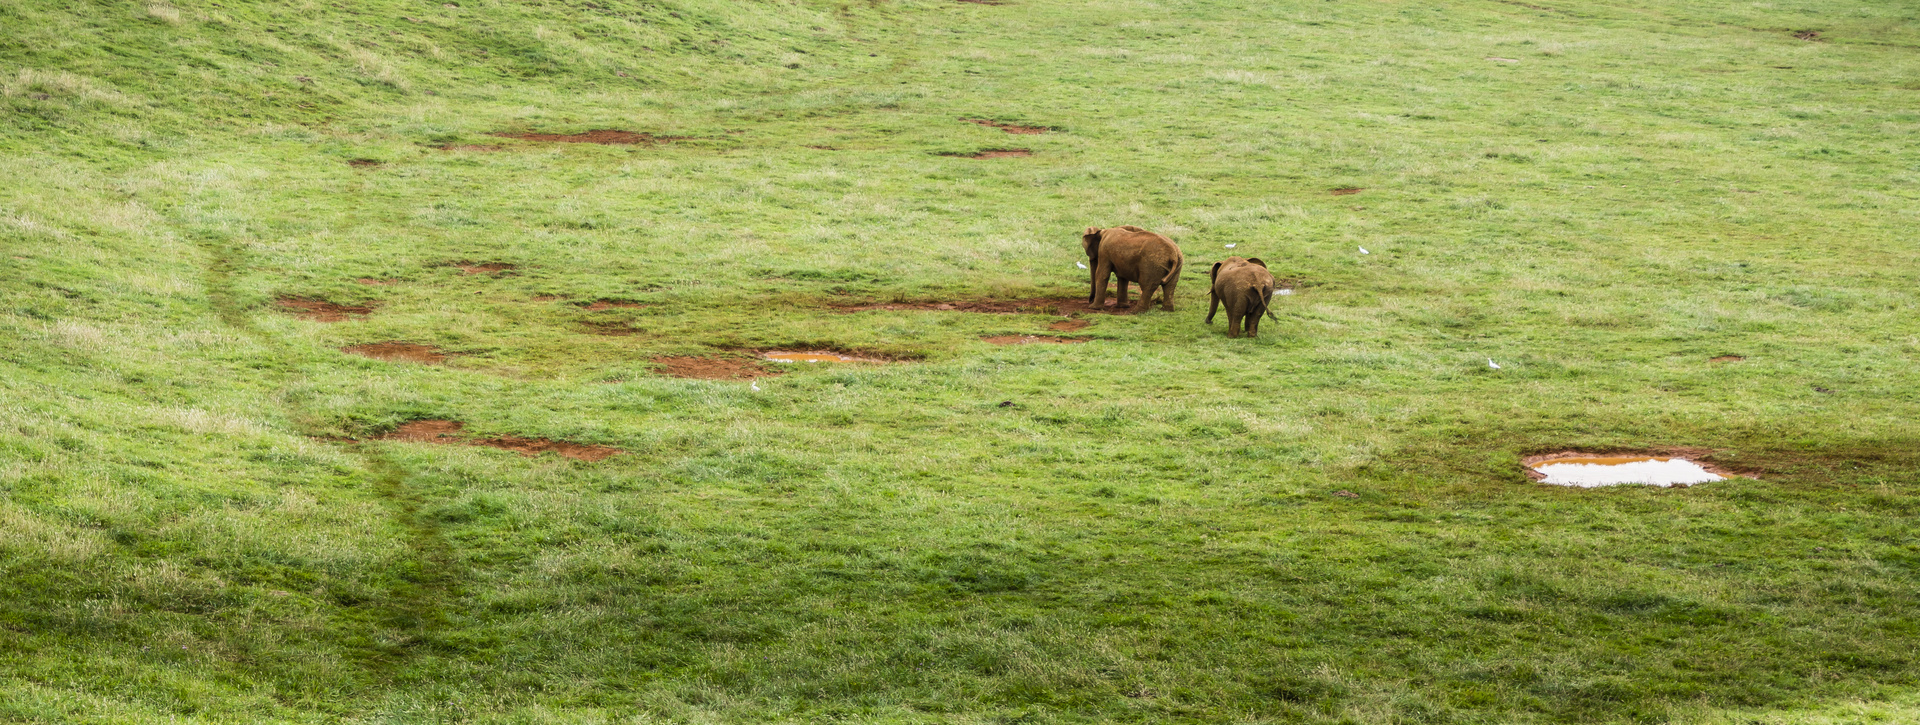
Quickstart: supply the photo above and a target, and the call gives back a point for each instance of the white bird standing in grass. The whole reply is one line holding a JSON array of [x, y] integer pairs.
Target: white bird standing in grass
[[1082, 265], [756, 386], [1492, 364], [1235, 244], [1363, 250]]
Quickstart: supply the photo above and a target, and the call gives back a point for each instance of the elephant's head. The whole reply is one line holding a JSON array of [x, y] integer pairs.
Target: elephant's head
[[1090, 242]]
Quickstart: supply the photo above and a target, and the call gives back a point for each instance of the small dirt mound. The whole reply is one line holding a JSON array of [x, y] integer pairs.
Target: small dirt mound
[[484, 267], [991, 154], [598, 305], [1069, 325], [1033, 305], [1034, 340], [1728, 358], [713, 368], [322, 310], [611, 329], [398, 352], [482, 148], [1346, 190], [447, 432], [1008, 127], [362, 163], [600, 136]]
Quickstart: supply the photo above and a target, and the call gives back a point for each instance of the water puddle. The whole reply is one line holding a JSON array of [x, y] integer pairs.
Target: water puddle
[[1593, 470], [813, 356]]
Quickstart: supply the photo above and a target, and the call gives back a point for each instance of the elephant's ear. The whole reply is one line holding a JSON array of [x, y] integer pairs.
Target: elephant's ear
[[1256, 260], [1091, 241], [1215, 274]]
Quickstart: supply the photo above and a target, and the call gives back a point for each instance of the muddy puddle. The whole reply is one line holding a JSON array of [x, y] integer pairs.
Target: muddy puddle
[[447, 432], [398, 352], [1591, 470], [322, 310], [1008, 127], [712, 368], [816, 356], [991, 154], [1034, 340], [601, 136]]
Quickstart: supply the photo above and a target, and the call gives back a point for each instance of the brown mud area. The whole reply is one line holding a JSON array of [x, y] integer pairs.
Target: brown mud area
[[484, 267], [1697, 456], [1728, 358], [362, 163], [483, 148], [1008, 127], [1034, 340], [600, 136], [987, 305], [447, 432], [991, 154], [322, 310], [1346, 190], [598, 305], [713, 368], [398, 352], [1070, 325]]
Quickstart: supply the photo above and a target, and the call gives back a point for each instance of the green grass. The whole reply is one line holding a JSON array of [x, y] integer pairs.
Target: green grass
[[1149, 534]]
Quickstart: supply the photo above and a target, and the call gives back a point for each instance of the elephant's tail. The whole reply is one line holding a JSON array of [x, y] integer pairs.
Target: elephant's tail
[[1173, 275], [1265, 304]]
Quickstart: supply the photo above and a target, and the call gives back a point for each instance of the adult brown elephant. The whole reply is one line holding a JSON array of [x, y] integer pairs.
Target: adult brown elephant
[[1134, 255], [1246, 288]]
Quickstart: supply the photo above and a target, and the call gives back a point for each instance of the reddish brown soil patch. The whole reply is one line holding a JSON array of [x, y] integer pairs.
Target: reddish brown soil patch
[[376, 282], [1034, 340], [1345, 190], [322, 310], [1728, 358], [1034, 305], [598, 305], [398, 352], [485, 267], [599, 136], [362, 163], [483, 148], [1813, 35], [1696, 455], [713, 368], [991, 154], [1008, 127], [1069, 325], [612, 329], [447, 432]]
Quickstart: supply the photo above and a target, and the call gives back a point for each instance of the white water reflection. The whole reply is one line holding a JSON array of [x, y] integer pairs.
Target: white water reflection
[[1621, 470]]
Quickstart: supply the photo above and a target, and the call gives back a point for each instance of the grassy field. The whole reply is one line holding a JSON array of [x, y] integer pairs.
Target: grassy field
[[200, 522]]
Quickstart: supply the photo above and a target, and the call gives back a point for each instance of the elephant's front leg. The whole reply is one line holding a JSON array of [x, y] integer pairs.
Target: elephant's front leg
[[1101, 271], [1121, 300]]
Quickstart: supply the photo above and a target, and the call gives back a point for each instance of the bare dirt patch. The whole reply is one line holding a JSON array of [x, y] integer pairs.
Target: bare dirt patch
[[412, 352], [600, 136], [362, 163], [447, 432], [1728, 358], [322, 310], [1069, 325], [991, 154], [1031, 305], [1034, 340], [1008, 127], [484, 267], [1809, 35], [713, 368], [598, 305], [482, 148], [1346, 190]]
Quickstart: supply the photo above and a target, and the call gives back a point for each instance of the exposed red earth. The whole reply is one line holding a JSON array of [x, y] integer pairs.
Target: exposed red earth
[[447, 432], [398, 352], [713, 368], [322, 310]]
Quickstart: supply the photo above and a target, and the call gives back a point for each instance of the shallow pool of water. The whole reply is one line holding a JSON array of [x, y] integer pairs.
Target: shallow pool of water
[[815, 356], [1592, 471]]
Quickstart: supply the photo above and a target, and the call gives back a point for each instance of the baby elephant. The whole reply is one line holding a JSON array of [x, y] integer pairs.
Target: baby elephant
[[1246, 288]]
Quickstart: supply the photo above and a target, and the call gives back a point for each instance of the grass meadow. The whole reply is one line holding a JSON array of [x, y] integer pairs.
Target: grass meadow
[[200, 522]]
